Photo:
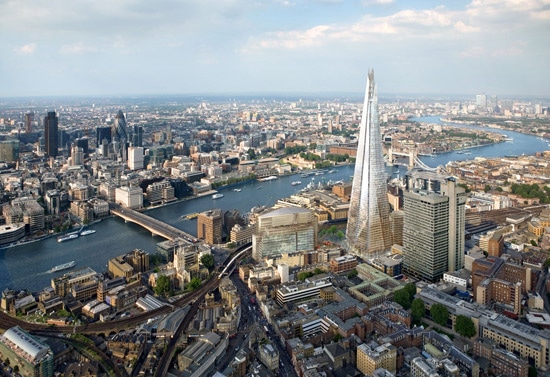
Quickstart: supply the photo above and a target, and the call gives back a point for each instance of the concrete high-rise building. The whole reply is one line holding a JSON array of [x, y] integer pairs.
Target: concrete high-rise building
[[29, 119], [51, 134], [77, 155], [284, 230], [368, 229], [433, 228], [136, 158], [9, 150], [210, 226]]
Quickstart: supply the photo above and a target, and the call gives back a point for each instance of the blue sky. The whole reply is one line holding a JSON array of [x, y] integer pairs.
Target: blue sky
[[119, 47]]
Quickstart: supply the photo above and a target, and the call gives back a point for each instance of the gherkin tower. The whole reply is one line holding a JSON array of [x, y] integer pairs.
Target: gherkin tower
[[368, 229]]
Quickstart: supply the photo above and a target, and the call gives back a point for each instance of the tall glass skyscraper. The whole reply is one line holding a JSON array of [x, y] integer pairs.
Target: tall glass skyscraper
[[368, 230], [51, 136], [119, 131]]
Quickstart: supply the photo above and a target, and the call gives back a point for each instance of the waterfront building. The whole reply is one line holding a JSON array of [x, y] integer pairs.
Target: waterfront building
[[127, 265], [284, 231], [130, 197], [210, 226], [160, 192], [434, 225], [51, 134], [10, 233], [373, 356], [82, 284], [27, 210], [30, 355], [368, 229]]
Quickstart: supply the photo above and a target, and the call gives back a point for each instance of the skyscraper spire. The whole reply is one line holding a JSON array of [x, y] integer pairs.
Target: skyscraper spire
[[368, 230]]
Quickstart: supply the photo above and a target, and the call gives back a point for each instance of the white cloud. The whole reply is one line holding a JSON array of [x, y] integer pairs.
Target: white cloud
[[382, 2], [27, 49], [463, 28], [76, 48]]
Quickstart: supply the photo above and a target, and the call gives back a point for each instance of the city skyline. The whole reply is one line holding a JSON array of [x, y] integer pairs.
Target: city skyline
[[138, 48]]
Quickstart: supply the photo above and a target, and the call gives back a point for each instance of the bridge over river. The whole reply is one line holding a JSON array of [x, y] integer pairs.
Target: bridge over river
[[156, 227]]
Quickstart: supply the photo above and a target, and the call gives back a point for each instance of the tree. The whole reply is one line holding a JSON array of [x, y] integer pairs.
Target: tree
[[207, 261], [440, 314], [417, 309], [352, 274], [163, 285], [465, 326], [194, 284], [403, 298], [411, 290], [487, 188]]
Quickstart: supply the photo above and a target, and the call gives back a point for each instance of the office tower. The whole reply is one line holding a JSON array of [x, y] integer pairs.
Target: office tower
[[29, 119], [137, 136], [51, 134], [135, 158], [82, 142], [77, 155], [433, 229], [119, 131], [481, 101], [101, 134], [210, 226], [368, 230], [284, 230]]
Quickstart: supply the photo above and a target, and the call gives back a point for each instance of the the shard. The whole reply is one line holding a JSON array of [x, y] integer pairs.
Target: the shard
[[368, 229]]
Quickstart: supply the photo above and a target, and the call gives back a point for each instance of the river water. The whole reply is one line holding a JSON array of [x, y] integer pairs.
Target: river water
[[27, 266]]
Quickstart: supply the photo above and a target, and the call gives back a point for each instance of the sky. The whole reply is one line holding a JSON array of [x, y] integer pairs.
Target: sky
[[143, 47]]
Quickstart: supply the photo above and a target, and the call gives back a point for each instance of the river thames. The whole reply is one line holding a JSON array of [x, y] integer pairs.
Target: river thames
[[27, 266]]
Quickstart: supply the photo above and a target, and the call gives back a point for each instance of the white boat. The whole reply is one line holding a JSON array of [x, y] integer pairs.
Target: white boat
[[87, 232], [64, 266], [71, 236], [237, 190], [296, 183], [270, 178], [217, 196]]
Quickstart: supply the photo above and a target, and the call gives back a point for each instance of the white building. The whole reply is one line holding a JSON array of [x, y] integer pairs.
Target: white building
[[135, 158], [129, 197]]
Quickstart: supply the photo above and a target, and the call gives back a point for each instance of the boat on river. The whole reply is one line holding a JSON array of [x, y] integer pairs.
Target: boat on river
[[87, 232], [217, 196], [68, 237], [296, 183], [64, 266]]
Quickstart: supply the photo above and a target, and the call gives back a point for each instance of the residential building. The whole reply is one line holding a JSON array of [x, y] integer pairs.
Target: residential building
[[373, 356], [210, 226]]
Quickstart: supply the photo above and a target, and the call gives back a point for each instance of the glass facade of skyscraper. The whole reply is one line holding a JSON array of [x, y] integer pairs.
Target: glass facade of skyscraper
[[368, 229]]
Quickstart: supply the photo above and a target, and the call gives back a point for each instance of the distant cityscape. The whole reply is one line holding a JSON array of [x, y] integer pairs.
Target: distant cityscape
[[407, 268]]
